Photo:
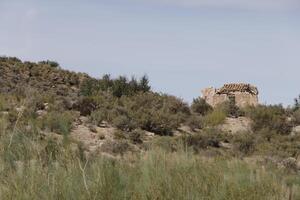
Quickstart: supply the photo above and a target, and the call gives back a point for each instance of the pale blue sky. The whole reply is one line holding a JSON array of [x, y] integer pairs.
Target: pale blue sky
[[183, 45]]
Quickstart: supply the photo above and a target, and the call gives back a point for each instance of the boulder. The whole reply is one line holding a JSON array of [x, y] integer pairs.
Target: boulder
[[226, 145], [295, 130], [236, 125]]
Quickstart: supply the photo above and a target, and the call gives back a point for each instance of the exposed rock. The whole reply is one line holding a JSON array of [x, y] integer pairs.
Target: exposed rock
[[236, 125], [20, 109], [83, 119], [226, 145], [92, 141], [46, 106], [104, 124], [93, 128], [295, 131], [185, 129], [4, 113], [149, 134], [41, 113]]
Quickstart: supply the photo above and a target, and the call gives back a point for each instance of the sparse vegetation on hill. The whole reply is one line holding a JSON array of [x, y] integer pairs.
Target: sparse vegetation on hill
[[66, 135]]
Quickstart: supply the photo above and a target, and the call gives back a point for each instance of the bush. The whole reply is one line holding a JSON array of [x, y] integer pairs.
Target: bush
[[7, 102], [86, 106], [124, 123], [136, 136], [230, 109], [53, 64], [118, 87], [214, 118], [97, 117], [119, 135], [296, 116], [2, 103], [266, 133], [116, 147], [297, 103], [3, 125], [202, 141], [52, 150], [89, 87], [195, 122], [200, 106], [270, 117], [245, 143], [59, 122], [152, 112], [167, 143]]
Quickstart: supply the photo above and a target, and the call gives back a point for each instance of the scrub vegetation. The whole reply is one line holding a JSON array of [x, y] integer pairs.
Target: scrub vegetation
[[159, 147]]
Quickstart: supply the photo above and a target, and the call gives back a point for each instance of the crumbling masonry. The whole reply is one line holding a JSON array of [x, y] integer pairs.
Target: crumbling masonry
[[242, 94]]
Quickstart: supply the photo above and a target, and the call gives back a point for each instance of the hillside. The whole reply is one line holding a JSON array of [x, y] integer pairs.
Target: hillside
[[79, 137], [45, 76]]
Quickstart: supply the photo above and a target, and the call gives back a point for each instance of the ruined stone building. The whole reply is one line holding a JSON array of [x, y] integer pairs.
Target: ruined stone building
[[242, 94]]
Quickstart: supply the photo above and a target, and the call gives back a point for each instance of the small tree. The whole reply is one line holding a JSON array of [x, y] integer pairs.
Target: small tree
[[106, 82], [53, 64], [144, 84], [297, 103], [120, 86]]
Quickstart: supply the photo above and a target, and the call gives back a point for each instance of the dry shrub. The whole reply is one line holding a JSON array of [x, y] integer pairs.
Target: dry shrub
[[200, 106]]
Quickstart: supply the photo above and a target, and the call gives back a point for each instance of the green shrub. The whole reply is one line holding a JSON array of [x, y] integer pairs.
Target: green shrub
[[153, 112], [86, 106], [124, 123], [119, 135], [167, 143], [59, 122], [200, 106], [89, 87], [52, 150], [245, 143], [97, 117], [116, 147], [195, 122], [118, 87], [230, 109], [7, 102], [202, 141], [3, 125], [136, 136], [296, 116], [297, 103], [214, 118], [2, 103], [266, 133], [53, 64], [270, 117]]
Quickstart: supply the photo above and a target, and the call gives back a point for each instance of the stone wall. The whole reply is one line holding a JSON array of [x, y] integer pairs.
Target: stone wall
[[245, 99], [212, 98]]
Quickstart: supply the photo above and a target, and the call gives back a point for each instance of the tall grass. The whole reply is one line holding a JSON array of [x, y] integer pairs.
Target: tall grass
[[45, 169], [157, 174]]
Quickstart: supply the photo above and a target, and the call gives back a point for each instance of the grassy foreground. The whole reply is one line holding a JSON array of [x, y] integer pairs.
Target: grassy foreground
[[155, 174]]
